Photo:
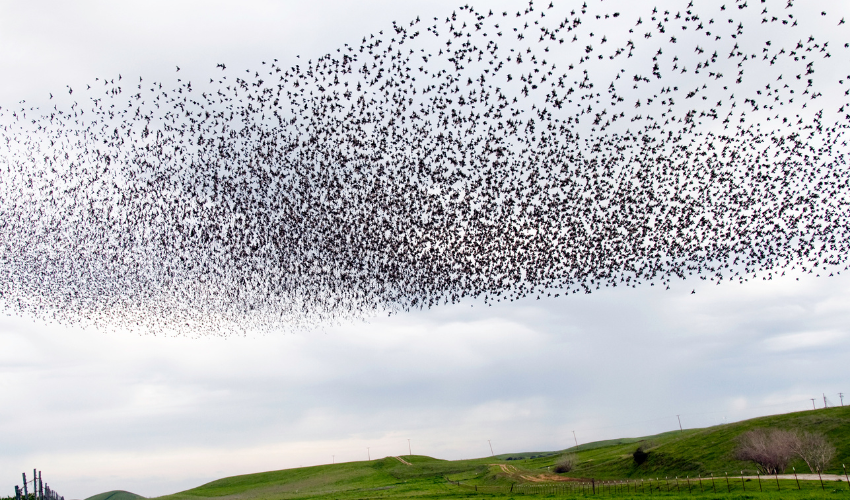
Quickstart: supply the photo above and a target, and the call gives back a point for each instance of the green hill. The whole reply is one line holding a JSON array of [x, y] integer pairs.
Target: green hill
[[689, 453], [705, 451], [116, 495]]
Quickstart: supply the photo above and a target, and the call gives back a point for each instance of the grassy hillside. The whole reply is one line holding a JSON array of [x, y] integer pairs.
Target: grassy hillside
[[673, 454], [704, 451], [116, 495]]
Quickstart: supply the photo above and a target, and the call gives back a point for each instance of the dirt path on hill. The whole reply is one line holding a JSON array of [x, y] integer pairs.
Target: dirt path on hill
[[405, 462], [539, 478]]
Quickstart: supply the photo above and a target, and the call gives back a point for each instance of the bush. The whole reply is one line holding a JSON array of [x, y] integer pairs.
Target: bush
[[566, 463], [814, 449], [640, 455], [770, 449]]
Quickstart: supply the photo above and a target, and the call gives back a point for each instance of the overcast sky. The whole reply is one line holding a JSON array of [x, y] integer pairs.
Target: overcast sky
[[99, 411]]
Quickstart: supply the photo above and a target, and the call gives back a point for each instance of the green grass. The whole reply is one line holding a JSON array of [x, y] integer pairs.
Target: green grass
[[673, 454], [116, 495], [705, 451]]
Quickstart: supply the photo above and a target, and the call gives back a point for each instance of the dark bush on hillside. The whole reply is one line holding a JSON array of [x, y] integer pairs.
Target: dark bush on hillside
[[640, 455], [566, 463], [770, 449]]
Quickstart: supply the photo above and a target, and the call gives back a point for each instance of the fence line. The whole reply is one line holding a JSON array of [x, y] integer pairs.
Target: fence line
[[40, 491], [686, 485]]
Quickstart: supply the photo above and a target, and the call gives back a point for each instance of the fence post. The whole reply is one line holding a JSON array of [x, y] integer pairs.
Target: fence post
[[728, 488], [795, 477], [40, 487], [26, 494], [776, 474], [743, 486], [758, 475], [593, 484], [845, 475], [17, 493]]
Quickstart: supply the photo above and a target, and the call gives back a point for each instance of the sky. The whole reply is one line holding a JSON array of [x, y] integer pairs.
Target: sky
[[97, 410]]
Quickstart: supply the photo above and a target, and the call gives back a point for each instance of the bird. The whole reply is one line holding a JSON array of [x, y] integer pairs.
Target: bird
[[444, 161]]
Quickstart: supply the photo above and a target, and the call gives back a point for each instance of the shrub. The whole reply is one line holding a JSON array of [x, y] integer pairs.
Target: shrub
[[770, 449], [814, 449], [566, 463], [640, 455]]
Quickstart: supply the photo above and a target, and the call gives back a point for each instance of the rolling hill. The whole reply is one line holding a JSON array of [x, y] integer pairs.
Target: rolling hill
[[690, 453]]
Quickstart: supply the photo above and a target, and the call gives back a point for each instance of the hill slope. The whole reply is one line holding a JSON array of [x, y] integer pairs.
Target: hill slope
[[705, 451], [116, 495], [689, 453]]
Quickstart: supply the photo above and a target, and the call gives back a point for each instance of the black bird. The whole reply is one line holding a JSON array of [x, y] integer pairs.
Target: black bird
[[413, 169]]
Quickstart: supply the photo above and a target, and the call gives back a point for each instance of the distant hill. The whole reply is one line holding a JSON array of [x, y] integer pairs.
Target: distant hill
[[116, 495], [675, 454]]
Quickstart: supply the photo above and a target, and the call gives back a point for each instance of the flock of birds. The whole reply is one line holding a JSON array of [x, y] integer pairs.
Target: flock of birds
[[549, 150]]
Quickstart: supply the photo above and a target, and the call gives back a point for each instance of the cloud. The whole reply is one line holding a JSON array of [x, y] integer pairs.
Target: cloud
[[806, 340]]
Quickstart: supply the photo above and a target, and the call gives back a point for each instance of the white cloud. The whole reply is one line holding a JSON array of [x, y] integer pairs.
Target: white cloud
[[806, 340]]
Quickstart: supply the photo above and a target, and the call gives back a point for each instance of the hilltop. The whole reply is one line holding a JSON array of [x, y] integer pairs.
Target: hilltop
[[116, 495]]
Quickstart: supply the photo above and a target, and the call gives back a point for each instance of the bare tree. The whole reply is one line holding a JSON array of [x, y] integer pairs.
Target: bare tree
[[814, 449], [566, 463], [770, 449]]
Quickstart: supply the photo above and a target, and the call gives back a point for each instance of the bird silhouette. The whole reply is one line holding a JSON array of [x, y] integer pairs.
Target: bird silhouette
[[474, 156]]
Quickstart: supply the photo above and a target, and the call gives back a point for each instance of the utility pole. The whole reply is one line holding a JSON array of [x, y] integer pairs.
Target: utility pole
[[680, 423], [368, 455], [824, 400], [813, 403], [409, 452], [491, 448], [575, 438], [333, 459], [841, 395]]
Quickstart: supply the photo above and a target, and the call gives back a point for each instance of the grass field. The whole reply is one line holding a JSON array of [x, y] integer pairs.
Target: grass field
[[677, 456]]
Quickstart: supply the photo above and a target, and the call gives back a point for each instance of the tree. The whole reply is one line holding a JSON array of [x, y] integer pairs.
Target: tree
[[566, 463], [770, 449], [640, 455], [814, 449]]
